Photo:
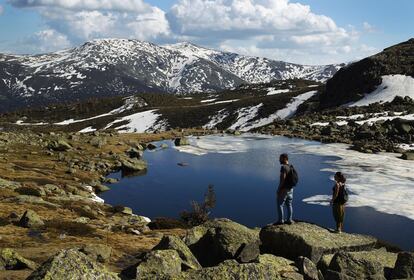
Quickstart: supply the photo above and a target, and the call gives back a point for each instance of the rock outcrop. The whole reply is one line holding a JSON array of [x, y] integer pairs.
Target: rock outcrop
[[71, 264], [174, 243], [219, 240], [10, 260], [344, 266], [404, 267], [30, 219], [267, 267], [311, 241], [353, 81], [182, 141]]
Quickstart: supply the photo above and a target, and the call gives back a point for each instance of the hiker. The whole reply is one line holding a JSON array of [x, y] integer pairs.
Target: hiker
[[339, 198], [288, 179]]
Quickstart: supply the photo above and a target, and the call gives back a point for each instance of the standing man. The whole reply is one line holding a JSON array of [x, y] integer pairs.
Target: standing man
[[288, 179]]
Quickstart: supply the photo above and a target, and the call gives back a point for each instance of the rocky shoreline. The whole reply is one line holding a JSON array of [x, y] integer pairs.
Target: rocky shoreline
[[371, 129], [48, 195]]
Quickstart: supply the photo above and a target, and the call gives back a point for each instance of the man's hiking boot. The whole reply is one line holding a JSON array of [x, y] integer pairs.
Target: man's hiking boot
[[290, 222]]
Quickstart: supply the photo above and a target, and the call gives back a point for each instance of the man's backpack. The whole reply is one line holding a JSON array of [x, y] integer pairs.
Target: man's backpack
[[343, 195], [292, 177]]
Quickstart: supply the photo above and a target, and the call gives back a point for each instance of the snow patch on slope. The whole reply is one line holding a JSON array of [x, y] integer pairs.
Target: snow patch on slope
[[273, 91], [244, 116], [391, 86], [140, 122]]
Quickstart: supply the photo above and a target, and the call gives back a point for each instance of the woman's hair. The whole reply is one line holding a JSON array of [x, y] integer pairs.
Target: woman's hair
[[341, 177]]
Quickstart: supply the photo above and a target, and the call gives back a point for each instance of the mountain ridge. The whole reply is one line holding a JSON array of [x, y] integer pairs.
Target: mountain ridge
[[114, 67]]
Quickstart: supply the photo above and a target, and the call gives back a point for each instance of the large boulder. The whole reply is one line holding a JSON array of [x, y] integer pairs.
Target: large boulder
[[345, 266], [404, 267], [268, 267], [98, 252], [133, 165], [30, 219], [307, 268], [182, 141], [220, 239], [385, 258], [134, 153], [311, 241], [408, 156], [156, 264], [10, 260], [59, 146], [174, 243], [71, 264]]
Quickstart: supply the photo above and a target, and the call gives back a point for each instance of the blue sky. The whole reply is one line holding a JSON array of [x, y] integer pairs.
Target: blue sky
[[302, 31]]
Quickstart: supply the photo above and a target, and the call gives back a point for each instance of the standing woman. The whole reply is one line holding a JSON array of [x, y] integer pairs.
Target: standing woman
[[339, 198]]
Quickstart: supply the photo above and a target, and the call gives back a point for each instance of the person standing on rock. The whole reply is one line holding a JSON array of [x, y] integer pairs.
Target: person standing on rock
[[339, 198], [288, 179]]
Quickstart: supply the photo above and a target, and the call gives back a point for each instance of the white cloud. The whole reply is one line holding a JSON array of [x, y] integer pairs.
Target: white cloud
[[264, 28], [84, 20], [278, 29], [49, 40], [112, 5], [1, 10], [368, 27], [250, 18], [150, 25]]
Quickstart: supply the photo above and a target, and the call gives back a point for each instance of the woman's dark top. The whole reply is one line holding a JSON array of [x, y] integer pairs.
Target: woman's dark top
[[339, 198]]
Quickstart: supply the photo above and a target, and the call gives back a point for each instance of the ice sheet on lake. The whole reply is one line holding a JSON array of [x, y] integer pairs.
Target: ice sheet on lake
[[216, 144], [381, 181]]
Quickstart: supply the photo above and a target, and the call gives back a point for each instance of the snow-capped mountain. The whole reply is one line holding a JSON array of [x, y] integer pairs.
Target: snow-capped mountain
[[110, 67]]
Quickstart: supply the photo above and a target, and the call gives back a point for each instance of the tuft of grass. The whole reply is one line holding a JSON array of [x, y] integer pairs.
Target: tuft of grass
[[167, 223], [70, 228], [28, 191]]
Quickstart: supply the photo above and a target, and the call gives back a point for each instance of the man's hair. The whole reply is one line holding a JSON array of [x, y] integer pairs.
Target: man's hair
[[284, 156]]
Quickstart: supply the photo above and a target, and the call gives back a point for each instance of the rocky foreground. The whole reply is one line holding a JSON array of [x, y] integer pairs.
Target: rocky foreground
[[223, 249]]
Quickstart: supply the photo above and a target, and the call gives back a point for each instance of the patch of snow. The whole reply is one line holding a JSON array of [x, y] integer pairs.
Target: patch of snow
[[215, 144], [140, 122], [353, 117], [292, 107], [216, 119], [208, 100], [20, 122], [380, 186], [379, 117], [94, 196], [285, 113], [244, 115], [226, 101], [87, 129], [408, 147], [391, 86], [129, 103], [273, 91]]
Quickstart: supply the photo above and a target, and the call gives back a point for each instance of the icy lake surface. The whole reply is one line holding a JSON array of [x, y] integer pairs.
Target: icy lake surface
[[244, 171]]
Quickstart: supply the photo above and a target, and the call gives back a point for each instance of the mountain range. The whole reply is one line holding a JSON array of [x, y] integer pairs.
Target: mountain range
[[121, 67]]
